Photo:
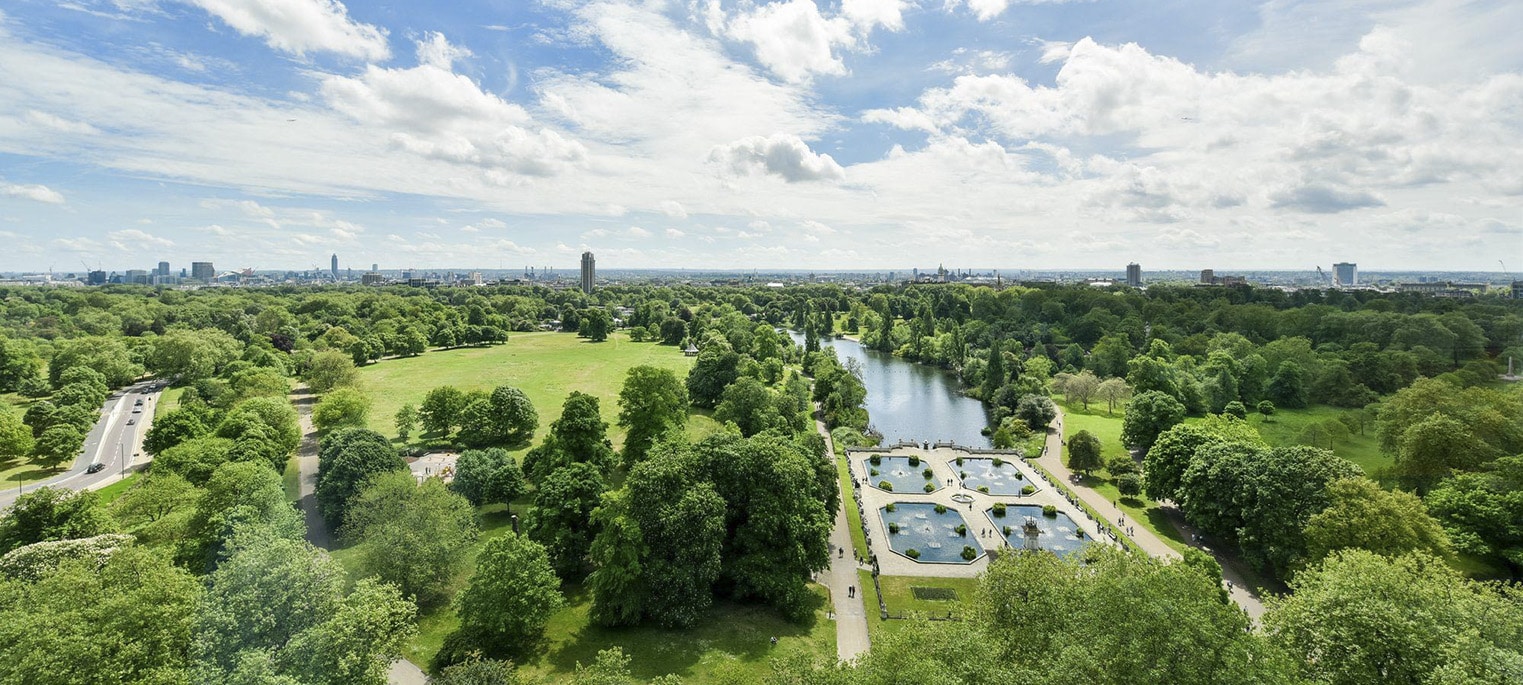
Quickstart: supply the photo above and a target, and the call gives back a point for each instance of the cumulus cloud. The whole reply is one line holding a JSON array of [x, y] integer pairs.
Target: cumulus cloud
[[787, 156], [674, 233], [1321, 198], [637, 232], [793, 39], [36, 193], [300, 27], [433, 112]]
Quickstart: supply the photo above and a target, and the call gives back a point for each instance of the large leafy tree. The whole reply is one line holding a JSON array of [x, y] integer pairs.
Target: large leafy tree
[[579, 435], [239, 497], [1148, 415], [1117, 618], [1359, 618], [511, 597], [488, 476], [1483, 511], [1287, 388], [16, 439], [58, 445], [1084, 452], [562, 517], [127, 621], [344, 407], [717, 367], [749, 405], [194, 459], [1437, 447], [330, 369], [53, 514], [347, 472], [1360, 514], [1036, 411], [277, 608], [652, 403], [410, 535], [1170, 455], [441, 410], [190, 354], [506, 417], [175, 427]]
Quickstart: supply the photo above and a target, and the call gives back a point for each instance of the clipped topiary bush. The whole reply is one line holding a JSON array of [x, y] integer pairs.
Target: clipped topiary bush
[[941, 509], [1049, 510], [999, 462], [893, 529], [890, 507], [962, 529], [962, 474], [984, 489], [912, 553], [872, 472], [914, 460], [999, 508], [968, 553], [926, 473], [875, 460], [1028, 490], [959, 461], [930, 488], [1005, 530], [885, 485]]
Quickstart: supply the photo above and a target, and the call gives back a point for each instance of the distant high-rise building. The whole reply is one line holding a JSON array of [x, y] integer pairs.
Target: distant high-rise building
[[163, 268], [1134, 275], [135, 276], [1207, 276], [375, 267], [97, 277], [203, 271], [334, 267], [589, 272], [1347, 273]]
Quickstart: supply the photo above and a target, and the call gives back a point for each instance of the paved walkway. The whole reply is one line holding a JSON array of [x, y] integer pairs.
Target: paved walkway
[[1052, 460], [851, 617], [403, 672]]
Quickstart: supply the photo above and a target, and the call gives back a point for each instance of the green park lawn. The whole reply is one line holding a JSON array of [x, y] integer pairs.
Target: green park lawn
[[1286, 425], [899, 595], [546, 366]]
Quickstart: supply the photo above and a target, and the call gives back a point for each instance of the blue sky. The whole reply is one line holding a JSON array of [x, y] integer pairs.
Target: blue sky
[[748, 133]]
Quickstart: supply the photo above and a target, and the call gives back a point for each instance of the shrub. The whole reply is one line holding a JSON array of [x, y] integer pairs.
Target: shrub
[[1005, 530], [912, 553], [1078, 532], [984, 489], [873, 472], [999, 462], [893, 529], [926, 473], [999, 508], [962, 474], [885, 485], [1049, 510], [875, 460], [968, 553], [959, 461], [914, 460], [941, 509], [1028, 489], [962, 530], [890, 507], [930, 488]]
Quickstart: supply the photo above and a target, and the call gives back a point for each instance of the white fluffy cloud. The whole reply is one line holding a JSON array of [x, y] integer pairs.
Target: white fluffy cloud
[[434, 112], [37, 193], [301, 26], [782, 155], [793, 39]]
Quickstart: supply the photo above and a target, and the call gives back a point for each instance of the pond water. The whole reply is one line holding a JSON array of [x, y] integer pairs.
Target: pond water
[[899, 473], [931, 534], [1059, 534], [1003, 479], [908, 401]]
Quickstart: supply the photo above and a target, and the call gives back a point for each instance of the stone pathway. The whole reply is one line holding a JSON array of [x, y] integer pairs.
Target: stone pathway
[[851, 617], [1052, 460]]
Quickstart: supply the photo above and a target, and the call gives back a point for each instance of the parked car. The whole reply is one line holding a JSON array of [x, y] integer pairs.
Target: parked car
[[96, 467]]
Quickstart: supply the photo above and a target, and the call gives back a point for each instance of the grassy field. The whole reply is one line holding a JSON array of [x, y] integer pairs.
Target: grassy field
[[899, 595], [109, 493], [290, 479], [546, 366], [853, 514], [1285, 426]]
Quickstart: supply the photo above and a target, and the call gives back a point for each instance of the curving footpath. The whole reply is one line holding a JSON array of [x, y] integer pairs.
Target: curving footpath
[[1052, 460], [403, 672]]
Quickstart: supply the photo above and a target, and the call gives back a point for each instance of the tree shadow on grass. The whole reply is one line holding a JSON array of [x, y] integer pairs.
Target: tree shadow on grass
[[729, 632]]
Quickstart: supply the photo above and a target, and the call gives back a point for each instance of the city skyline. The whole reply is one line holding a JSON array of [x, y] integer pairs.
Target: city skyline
[[264, 133]]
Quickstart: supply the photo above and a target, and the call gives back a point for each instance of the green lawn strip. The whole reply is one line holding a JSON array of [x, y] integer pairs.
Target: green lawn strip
[[291, 479], [1285, 426], [1094, 420], [168, 399], [546, 366], [853, 513], [109, 493], [898, 593], [1140, 510]]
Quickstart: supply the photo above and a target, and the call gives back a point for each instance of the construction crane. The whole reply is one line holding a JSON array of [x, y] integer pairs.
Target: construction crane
[[1505, 272], [1322, 277]]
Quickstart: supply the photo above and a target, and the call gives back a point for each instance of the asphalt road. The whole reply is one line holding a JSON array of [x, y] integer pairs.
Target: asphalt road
[[110, 442]]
